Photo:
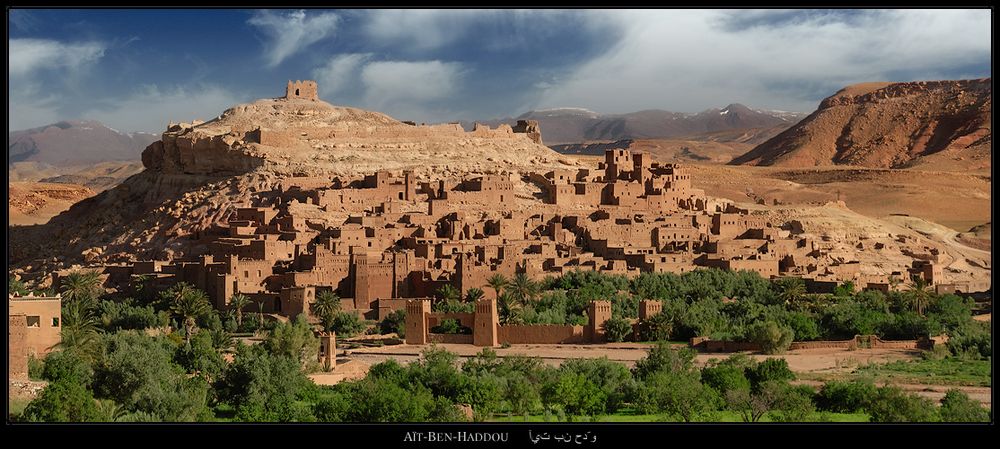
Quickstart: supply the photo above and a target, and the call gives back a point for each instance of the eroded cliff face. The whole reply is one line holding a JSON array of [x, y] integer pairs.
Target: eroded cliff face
[[194, 152], [943, 125]]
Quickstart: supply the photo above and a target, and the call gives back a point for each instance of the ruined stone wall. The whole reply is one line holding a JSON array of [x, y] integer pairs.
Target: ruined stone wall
[[542, 334]]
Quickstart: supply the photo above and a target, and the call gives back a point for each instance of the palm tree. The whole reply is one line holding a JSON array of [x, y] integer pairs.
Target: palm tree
[[260, 312], [791, 289], [920, 294], [507, 310], [497, 282], [474, 294], [80, 328], [237, 303], [523, 289], [81, 286], [448, 292], [326, 307], [190, 306]]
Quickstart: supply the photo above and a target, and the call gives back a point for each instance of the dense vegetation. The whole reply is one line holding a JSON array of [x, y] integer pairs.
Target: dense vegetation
[[162, 356]]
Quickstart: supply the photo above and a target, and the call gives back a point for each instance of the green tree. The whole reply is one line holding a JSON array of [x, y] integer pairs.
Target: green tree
[[772, 337], [663, 357], [753, 405], [82, 286], [845, 397], [347, 324], [238, 303], [80, 328], [957, 407], [678, 394], [138, 372], [726, 376], [575, 394], [189, 304], [448, 292], [523, 289], [770, 370], [657, 327], [508, 311], [394, 322], [790, 289], [485, 394], [474, 294], [262, 386], [892, 404], [62, 401], [497, 282], [326, 307], [521, 394], [437, 371], [378, 400], [617, 329], [201, 357], [919, 294], [293, 340], [68, 365]]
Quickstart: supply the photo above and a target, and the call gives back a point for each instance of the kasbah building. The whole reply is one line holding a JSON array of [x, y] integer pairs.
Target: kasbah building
[[404, 239]]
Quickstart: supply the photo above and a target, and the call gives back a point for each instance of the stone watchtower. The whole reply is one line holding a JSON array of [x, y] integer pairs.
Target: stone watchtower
[[416, 321], [599, 312], [303, 90], [487, 321]]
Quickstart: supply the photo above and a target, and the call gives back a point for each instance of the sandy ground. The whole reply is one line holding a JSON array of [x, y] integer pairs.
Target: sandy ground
[[954, 199]]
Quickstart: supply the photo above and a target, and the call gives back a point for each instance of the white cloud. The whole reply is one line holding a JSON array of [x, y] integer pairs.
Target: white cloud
[[410, 81], [418, 90], [340, 72], [292, 32], [33, 102], [689, 60], [422, 29], [30, 55], [150, 108]]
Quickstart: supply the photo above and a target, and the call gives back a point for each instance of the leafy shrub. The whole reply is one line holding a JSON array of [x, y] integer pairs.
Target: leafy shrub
[[617, 329], [892, 404], [957, 407], [450, 326], [395, 322], [845, 397], [772, 337]]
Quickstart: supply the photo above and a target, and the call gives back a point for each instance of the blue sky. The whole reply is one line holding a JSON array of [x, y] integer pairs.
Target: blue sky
[[136, 70]]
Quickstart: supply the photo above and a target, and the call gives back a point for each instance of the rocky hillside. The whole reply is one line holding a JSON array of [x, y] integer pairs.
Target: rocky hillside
[[199, 173], [941, 125], [37, 202], [573, 125], [70, 143]]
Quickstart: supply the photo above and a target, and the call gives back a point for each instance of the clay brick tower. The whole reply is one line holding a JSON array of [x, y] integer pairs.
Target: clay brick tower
[[416, 321], [304, 90], [598, 313], [487, 324], [648, 308], [328, 350]]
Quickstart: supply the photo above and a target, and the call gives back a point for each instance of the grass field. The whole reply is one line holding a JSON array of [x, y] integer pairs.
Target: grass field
[[946, 371], [720, 416]]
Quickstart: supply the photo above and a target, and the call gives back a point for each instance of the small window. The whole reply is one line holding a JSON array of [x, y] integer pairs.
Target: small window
[[34, 321], [55, 322]]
